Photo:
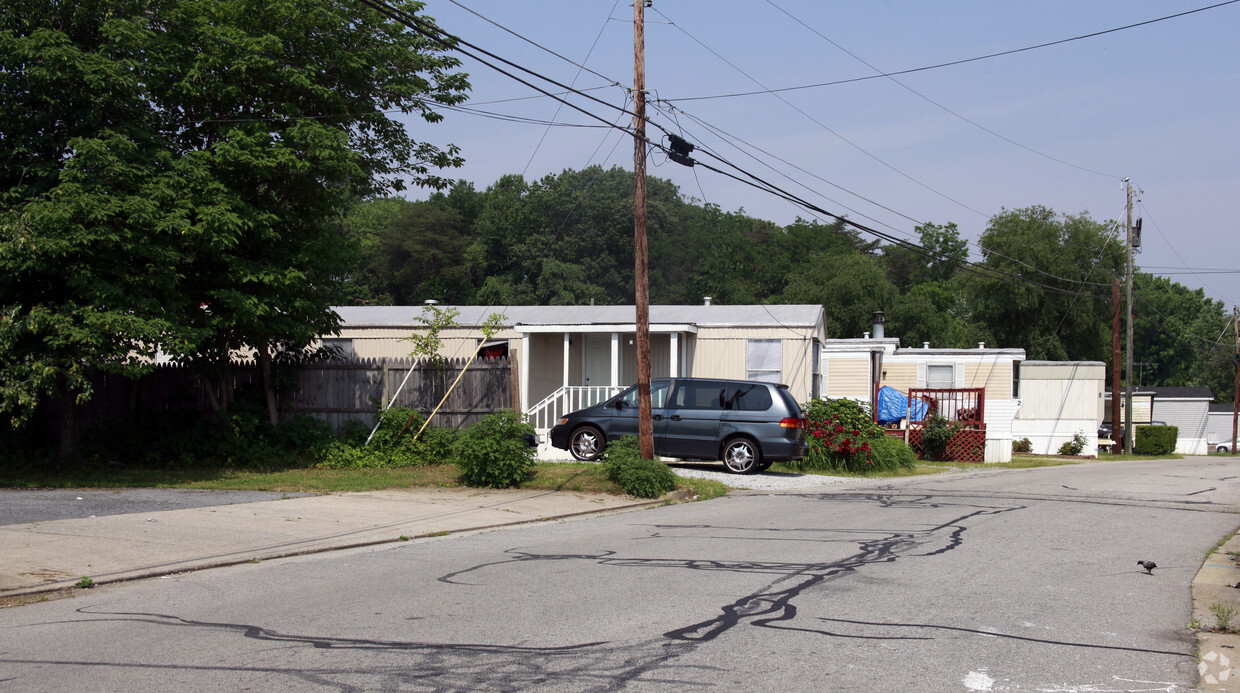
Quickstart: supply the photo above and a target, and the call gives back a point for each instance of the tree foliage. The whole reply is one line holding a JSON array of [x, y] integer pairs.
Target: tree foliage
[[1049, 287], [176, 175]]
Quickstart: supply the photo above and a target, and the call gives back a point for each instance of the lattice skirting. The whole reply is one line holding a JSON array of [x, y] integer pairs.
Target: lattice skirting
[[968, 445]]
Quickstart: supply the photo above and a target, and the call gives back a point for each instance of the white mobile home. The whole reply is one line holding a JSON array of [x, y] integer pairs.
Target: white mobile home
[[569, 357], [1059, 400]]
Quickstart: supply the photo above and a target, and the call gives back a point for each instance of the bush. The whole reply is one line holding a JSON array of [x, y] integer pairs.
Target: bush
[[389, 447], [937, 433], [1074, 446], [493, 452], [840, 435], [891, 454], [638, 476], [1155, 440], [1022, 445]]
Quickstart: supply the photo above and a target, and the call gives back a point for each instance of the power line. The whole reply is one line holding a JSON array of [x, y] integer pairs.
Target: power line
[[964, 61], [936, 103], [454, 43], [822, 125], [580, 66]]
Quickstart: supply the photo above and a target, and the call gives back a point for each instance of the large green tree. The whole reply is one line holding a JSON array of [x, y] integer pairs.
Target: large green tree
[[1045, 283], [1181, 338], [189, 161]]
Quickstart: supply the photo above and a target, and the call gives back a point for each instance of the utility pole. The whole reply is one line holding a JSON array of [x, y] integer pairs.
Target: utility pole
[[1116, 411], [1235, 406], [645, 424], [1129, 433]]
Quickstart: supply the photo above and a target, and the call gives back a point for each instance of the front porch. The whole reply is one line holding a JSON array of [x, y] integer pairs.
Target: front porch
[[564, 368]]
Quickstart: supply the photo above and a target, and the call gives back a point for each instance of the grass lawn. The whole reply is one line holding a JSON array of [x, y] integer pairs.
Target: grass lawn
[[587, 478], [552, 476]]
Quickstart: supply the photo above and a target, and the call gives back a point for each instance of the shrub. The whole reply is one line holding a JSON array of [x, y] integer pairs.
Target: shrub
[[937, 433], [891, 454], [841, 437], [638, 476], [1022, 445], [389, 447], [1155, 440], [493, 452], [303, 432], [1074, 446]]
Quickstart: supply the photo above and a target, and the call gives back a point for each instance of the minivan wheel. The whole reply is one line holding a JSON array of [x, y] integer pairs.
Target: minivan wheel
[[586, 444], [741, 456]]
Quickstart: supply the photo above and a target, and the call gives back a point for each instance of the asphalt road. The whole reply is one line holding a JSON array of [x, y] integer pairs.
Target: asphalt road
[[1021, 580], [42, 505]]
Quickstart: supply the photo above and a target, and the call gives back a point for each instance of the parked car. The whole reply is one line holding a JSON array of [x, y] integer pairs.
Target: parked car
[[746, 424]]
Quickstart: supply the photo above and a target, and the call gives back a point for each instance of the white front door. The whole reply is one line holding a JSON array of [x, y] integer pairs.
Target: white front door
[[596, 359]]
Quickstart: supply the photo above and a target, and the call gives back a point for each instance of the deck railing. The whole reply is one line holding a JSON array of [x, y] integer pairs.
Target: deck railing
[[569, 398]]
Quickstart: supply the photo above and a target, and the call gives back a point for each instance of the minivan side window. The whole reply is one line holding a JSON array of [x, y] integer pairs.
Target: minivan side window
[[704, 394], [755, 397]]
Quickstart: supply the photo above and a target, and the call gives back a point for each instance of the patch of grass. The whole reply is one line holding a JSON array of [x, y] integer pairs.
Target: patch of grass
[[1224, 613], [575, 476], [572, 476], [85, 583]]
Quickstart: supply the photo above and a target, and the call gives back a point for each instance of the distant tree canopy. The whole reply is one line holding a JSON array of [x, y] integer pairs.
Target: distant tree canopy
[[176, 172], [1041, 283]]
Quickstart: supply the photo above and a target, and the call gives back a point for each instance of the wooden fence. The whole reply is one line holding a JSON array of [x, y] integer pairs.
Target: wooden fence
[[339, 391], [335, 391]]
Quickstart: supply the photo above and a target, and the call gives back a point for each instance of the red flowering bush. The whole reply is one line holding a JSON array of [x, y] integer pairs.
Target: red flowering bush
[[843, 437]]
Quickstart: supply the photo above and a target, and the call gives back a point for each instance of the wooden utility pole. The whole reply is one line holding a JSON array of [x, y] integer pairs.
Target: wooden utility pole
[[1235, 406], [1129, 434], [1116, 326], [645, 424]]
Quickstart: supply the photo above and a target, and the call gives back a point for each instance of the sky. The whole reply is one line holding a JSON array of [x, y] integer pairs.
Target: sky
[[1061, 126]]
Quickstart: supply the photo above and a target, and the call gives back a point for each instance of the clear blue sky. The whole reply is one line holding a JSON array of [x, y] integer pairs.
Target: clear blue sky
[[1158, 103]]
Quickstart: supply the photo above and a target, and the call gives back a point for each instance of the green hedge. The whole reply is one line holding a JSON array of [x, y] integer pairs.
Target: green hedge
[[639, 477], [1155, 440]]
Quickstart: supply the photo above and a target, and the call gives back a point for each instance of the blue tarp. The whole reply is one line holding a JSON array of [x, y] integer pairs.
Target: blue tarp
[[893, 406]]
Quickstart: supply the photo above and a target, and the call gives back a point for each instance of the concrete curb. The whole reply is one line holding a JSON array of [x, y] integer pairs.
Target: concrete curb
[[1218, 654]]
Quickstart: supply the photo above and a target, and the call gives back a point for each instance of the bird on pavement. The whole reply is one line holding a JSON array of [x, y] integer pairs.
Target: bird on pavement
[[1148, 565]]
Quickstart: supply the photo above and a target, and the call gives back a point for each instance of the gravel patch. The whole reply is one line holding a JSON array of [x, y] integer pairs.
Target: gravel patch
[[764, 481]]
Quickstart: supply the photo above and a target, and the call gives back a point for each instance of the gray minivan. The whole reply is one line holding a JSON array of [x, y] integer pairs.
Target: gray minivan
[[747, 424]]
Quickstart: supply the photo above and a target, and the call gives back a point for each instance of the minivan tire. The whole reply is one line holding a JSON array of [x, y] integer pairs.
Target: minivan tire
[[586, 444], [741, 456]]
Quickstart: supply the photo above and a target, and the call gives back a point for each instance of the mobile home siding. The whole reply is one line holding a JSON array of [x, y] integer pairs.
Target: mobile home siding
[[849, 377]]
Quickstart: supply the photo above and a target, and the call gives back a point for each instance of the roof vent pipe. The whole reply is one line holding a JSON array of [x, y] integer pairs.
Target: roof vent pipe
[[867, 335], [706, 300], [925, 345], [879, 319], [431, 302], [981, 345]]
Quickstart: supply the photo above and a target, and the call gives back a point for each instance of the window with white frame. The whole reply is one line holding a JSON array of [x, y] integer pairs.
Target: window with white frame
[[940, 376], [764, 360]]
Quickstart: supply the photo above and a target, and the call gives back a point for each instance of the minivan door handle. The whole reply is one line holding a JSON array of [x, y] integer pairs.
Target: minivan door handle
[[675, 417], [657, 417]]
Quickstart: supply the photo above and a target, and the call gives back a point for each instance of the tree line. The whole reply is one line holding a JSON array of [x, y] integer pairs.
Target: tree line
[[1037, 279]]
